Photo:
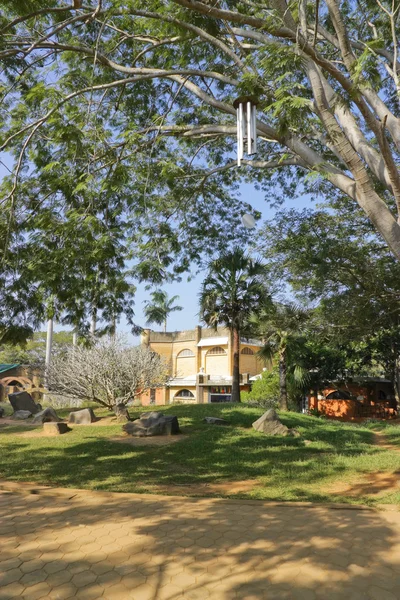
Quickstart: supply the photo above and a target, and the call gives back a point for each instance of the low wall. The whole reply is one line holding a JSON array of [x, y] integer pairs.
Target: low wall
[[338, 408]]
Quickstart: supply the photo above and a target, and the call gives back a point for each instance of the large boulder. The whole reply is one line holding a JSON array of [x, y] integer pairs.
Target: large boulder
[[21, 414], [121, 413], [82, 417], [215, 421], [23, 401], [48, 415], [55, 428], [153, 423], [270, 424]]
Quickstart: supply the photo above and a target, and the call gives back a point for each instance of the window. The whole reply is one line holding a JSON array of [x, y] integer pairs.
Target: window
[[381, 395], [338, 395], [248, 351], [184, 394], [216, 350], [184, 353]]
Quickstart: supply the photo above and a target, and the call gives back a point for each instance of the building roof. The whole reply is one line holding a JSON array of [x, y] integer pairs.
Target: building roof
[[223, 341], [5, 367], [213, 341]]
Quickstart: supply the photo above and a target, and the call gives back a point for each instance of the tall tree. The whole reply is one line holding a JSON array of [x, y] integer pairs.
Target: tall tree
[[333, 257], [158, 309], [282, 327], [155, 86], [233, 288]]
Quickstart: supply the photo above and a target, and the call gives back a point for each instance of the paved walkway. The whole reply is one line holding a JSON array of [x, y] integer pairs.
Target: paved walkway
[[71, 544]]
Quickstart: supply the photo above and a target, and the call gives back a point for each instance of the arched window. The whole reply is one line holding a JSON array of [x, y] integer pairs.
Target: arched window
[[338, 395], [381, 395], [15, 383], [248, 351], [184, 394], [184, 353], [216, 350]]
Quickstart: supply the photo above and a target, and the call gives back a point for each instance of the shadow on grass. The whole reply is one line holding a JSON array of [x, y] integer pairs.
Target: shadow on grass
[[285, 467]]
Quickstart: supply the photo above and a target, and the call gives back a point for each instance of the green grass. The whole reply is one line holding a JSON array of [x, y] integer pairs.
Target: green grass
[[285, 468]]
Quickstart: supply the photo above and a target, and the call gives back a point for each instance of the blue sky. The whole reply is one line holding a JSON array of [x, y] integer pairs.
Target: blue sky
[[188, 290]]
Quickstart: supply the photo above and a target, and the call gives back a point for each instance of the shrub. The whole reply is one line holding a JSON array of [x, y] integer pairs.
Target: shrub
[[265, 391]]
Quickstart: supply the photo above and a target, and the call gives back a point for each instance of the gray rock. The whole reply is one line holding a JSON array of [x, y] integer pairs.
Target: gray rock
[[121, 413], [270, 424], [2, 411], [47, 415], [82, 417], [151, 424], [21, 414], [215, 421], [55, 428], [294, 433], [23, 401]]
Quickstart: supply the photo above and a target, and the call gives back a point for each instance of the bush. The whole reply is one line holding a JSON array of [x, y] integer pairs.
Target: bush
[[265, 391]]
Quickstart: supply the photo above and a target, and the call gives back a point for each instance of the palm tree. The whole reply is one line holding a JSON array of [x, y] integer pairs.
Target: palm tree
[[160, 307], [282, 326], [233, 289]]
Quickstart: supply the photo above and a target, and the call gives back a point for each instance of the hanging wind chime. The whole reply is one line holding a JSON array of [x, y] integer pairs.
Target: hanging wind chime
[[246, 107]]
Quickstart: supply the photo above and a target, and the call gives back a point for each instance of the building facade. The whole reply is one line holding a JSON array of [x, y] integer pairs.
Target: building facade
[[367, 397], [16, 378], [200, 365]]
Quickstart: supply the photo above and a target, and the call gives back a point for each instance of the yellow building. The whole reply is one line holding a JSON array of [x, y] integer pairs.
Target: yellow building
[[200, 364]]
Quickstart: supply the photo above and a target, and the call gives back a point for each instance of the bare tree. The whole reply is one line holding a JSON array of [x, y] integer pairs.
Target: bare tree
[[108, 373]]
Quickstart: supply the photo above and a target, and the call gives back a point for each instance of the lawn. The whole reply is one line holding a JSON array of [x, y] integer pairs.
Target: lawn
[[336, 456]]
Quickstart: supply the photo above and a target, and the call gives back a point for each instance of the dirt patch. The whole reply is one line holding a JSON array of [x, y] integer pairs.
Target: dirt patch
[[381, 440], [226, 488], [8, 422], [371, 484], [161, 440]]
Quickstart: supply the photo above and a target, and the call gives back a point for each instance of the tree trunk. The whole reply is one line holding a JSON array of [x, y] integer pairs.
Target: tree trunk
[[93, 322], [235, 397], [282, 379], [396, 383]]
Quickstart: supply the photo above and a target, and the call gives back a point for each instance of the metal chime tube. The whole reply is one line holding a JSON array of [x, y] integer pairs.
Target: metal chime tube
[[254, 120], [249, 123], [246, 129], [240, 133]]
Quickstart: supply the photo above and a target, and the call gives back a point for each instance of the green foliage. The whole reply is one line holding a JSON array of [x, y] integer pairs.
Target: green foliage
[[120, 134], [158, 309], [264, 391], [33, 350], [234, 287]]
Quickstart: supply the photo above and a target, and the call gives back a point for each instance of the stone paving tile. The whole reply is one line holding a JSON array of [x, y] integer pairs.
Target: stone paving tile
[[141, 547]]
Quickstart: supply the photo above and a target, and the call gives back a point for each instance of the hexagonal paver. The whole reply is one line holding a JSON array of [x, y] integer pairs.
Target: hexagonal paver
[[141, 592], [37, 591], [63, 592], [33, 577], [54, 566], [59, 577], [12, 590], [11, 576], [32, 565], [8, 564], [84, 578]]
